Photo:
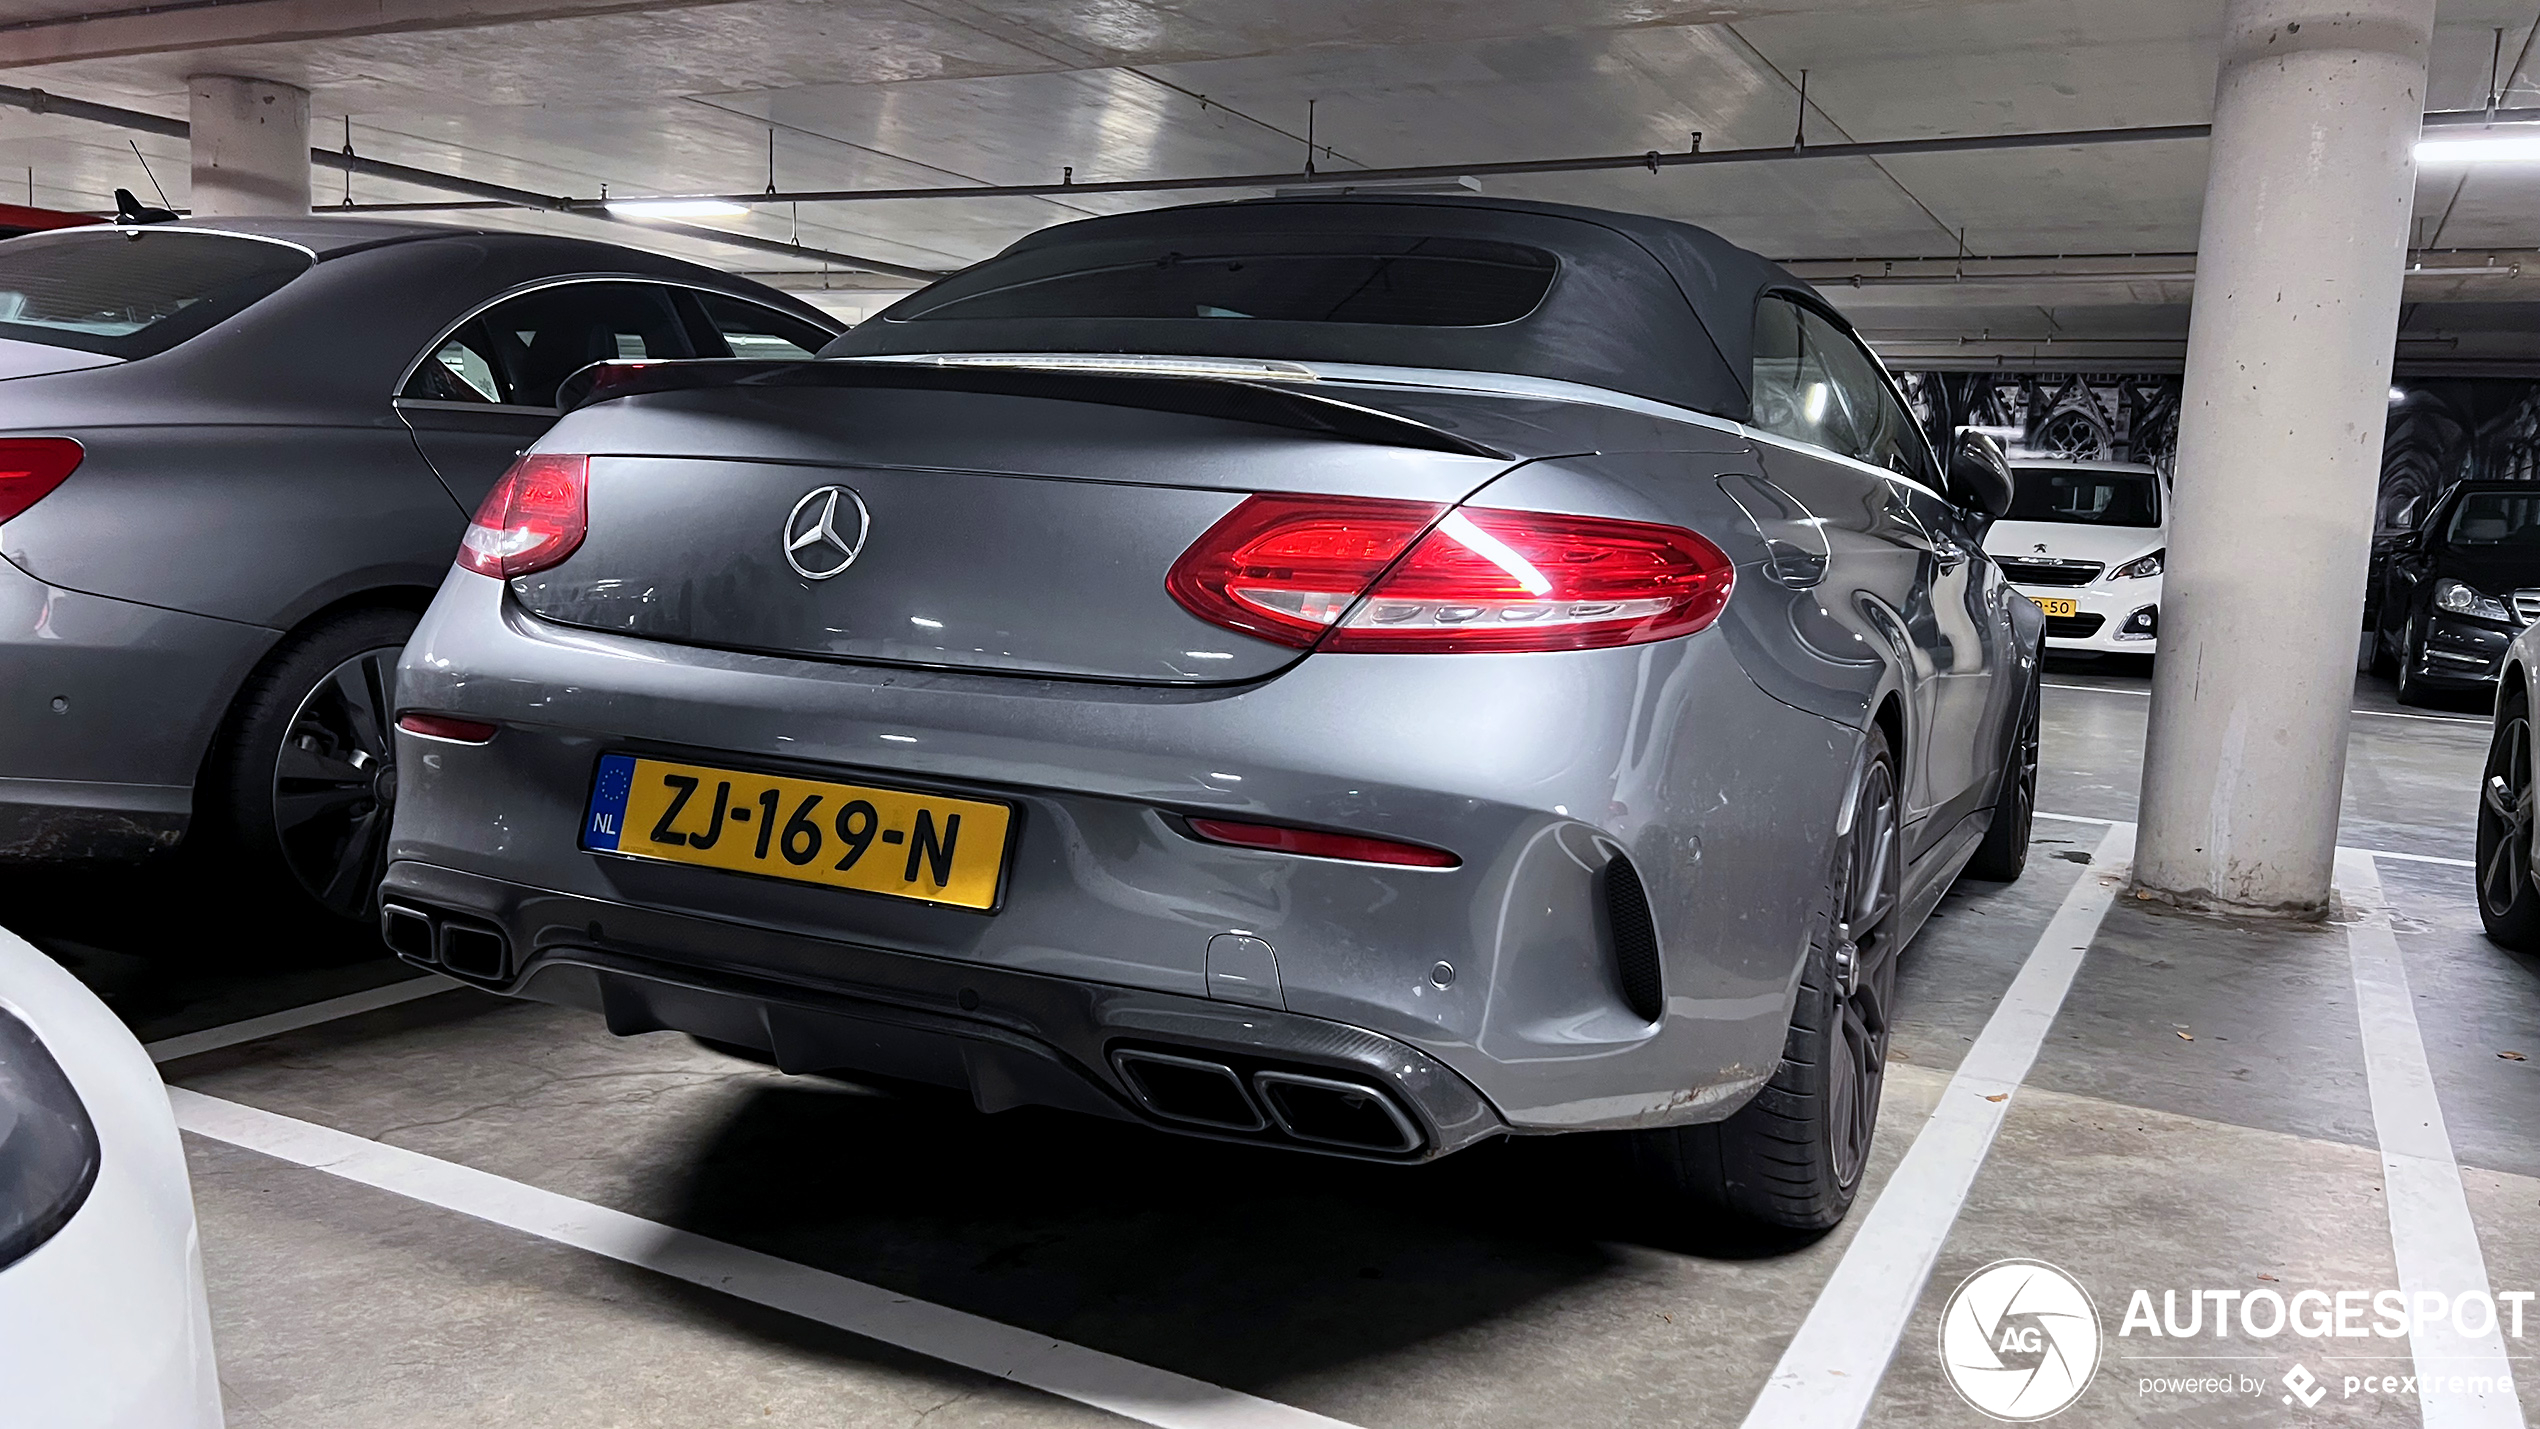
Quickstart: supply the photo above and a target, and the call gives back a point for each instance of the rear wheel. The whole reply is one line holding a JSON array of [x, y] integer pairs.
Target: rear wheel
[[1793, 1156], [2003, 855], [2507, 901], [306, 774]]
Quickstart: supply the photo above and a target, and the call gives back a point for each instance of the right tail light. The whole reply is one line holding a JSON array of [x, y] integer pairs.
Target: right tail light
[[532, 519], [1361, 574]]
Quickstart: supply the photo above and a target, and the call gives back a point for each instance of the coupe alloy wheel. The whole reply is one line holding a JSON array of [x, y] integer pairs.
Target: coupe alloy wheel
[[1864, 970], [335, 783], [2504, 820]]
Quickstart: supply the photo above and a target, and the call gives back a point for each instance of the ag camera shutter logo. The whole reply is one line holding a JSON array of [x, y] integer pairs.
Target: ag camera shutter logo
[[2019, 1340]]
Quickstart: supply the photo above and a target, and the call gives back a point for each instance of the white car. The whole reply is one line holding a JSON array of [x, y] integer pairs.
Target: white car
[[2085, 540], [103, 1323]]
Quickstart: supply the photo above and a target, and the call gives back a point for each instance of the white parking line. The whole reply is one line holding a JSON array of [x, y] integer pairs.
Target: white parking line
[[2431, 1234], [1827, 1376], [2376, 714], [2375, 852], [211, 1039], [1090, 1377]]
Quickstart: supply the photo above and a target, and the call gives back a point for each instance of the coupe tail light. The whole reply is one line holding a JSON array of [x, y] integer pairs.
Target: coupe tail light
[[532, 519], [30, 467], [1294, 569], [1315, 843]]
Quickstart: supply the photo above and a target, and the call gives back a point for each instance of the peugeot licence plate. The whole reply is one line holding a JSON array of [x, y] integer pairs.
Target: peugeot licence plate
[[2060, 609], [889, 841]]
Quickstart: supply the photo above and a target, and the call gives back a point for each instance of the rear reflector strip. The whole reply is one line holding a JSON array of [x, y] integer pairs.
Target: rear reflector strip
[[1315, 843], [449, 727]]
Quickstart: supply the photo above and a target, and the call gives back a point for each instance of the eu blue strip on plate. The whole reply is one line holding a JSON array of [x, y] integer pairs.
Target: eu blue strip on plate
[[608, 802]]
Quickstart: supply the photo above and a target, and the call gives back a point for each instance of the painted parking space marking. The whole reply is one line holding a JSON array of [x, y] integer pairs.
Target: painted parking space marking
[[2376, 714], [2375, 852], [1828, 1375], [2432, 1236], [1089, 1377], [273, 1024]]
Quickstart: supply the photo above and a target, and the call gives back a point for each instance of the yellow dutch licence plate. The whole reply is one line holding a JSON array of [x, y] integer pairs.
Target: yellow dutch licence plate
[[888, 841], [2058, 608]]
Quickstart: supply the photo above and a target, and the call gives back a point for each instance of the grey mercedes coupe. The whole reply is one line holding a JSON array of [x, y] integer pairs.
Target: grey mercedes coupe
[[1363, 675], [234, 462]]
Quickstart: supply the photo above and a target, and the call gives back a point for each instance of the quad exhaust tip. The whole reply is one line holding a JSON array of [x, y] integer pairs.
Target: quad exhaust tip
[[463, 949], [1316, 1110]]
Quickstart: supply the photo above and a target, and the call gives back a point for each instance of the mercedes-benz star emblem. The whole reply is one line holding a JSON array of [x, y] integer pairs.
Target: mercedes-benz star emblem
[[818, 544]]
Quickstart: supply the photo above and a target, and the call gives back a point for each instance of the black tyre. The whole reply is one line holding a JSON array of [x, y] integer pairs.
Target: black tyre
[[1793, 1156], [2411, 691], [2003, 855], [2507, 901], [304, 777]]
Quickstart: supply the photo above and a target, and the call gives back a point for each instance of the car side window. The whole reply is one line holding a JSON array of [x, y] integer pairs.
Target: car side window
[[1795, 394], [1815, 383], [750, 330], [518, 350]]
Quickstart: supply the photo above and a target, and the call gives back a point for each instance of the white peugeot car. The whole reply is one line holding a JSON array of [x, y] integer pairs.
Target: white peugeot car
[[2085, 539], [103, 1323]]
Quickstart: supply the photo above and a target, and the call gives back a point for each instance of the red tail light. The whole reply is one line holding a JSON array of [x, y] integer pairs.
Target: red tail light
[[449, 727], [1293, 569], [1315, 843], [532, 519], [30, 467]]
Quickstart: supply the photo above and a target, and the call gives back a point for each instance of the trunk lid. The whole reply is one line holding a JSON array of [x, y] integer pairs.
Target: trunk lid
[[1024, 529]]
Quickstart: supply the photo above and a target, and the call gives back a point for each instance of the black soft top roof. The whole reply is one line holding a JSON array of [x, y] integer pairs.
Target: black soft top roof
[[1642, 305]]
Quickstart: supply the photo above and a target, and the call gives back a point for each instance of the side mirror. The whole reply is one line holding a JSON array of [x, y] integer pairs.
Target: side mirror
[[1979, 476]]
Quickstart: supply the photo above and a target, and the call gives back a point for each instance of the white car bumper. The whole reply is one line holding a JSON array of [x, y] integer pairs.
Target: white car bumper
[[2108, 616]]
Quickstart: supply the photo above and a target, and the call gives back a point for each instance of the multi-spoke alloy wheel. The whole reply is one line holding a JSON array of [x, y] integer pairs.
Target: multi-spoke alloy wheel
[[307, 774], [1793, 1156], [2003, 855], [335, 783], [1864, 967], [2507, 903]]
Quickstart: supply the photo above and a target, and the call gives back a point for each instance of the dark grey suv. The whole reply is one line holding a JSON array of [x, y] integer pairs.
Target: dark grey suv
[[234, 463]]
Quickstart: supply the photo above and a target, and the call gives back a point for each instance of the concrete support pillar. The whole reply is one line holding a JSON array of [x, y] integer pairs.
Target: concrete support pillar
[[251, 146], [2298, 270]]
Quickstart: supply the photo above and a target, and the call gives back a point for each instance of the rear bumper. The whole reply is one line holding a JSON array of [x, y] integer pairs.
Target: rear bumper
[[1537, 770], [106, 707], [1007, 1038]]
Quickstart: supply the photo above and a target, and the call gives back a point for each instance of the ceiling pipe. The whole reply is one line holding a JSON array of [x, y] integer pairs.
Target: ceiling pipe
[[487, 196], [1652, 160]]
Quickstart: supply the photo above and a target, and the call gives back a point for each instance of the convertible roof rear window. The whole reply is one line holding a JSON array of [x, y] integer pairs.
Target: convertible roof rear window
[[1408, 282], [134, 292]]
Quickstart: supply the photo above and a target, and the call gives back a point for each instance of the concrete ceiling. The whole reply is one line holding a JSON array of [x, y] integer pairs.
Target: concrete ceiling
[[667, 96]]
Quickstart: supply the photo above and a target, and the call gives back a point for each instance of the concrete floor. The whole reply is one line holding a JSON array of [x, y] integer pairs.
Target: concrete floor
[[2197, 1117]]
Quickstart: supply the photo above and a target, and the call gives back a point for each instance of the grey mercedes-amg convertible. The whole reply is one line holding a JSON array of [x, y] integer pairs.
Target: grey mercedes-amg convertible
[[1362, 674]]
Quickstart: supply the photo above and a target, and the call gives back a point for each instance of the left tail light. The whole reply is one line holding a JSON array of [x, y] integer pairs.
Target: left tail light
[[1359, 574], [532, 519], [30, 467]]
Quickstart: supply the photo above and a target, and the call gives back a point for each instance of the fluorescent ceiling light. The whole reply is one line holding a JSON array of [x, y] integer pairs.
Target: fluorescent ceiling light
[[674, 208], [2515, 148]]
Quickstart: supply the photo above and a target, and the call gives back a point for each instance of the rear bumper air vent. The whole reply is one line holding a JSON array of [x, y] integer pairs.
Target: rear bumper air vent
[[1632, 936]]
